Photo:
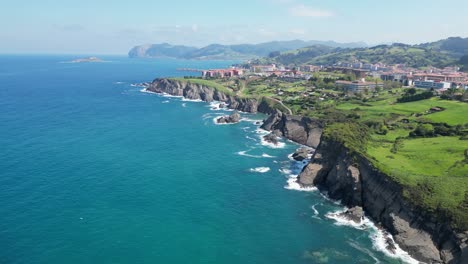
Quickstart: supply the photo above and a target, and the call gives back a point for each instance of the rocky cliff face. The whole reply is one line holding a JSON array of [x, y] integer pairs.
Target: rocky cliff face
[[356, 182], [299, 129], [200, 92], [347, 177]]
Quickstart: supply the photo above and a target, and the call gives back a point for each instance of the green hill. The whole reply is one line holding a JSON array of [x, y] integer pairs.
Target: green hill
[[440, 53]]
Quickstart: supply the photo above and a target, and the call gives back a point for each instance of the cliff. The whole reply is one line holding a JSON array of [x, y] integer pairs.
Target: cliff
[[303, 130], [345, 176], [196, 91], [351, 178]]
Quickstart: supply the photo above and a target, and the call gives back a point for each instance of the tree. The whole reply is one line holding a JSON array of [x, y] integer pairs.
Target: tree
[[465, 96], [411, 91], [423, 130]]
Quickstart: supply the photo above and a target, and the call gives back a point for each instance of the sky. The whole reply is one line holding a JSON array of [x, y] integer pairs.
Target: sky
[[113, 27]]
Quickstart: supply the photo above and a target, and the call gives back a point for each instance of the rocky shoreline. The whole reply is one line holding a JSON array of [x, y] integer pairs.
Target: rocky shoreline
[[345, 176]]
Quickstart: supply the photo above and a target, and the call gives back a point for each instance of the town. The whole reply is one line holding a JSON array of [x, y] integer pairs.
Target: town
[[355, 77]]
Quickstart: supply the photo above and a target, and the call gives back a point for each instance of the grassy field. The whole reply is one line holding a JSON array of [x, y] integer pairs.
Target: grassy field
[[421, 157], [209, 83], [433, 171], [454, 113]]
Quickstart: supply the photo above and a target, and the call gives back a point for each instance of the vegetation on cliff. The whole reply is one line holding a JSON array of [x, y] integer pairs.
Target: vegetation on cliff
[[421, 144]]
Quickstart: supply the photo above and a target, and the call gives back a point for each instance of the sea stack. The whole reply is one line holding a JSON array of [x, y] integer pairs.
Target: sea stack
[[231, 119]]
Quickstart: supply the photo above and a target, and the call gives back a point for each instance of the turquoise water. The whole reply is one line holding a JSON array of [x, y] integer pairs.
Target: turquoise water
[[94, 171]]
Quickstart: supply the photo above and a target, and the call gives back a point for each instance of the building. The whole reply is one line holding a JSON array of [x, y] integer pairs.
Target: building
[[452, 77], [357, 72], [263, 68], [358, 86], [222, 73], [311, 68], [432, 84]]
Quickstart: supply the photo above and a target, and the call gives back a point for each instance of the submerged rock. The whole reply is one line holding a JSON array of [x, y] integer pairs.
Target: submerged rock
[[301, 154], [389, 243], [355, 214], [271, 138], [233, 118]]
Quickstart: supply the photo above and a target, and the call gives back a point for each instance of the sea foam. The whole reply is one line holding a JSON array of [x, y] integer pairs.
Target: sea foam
[[377, 235], [294, 185], [244, 153], [260, 169]]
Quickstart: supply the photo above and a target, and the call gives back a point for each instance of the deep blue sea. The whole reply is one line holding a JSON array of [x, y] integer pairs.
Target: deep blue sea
[[92, 170]]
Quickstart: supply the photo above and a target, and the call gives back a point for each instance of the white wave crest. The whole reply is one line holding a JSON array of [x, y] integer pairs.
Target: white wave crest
[[253, 121], [287, 172], [244, 153], [216, 106], [260, 169], [171, 96], [316, 212], [378, 236], [165, 102], [294, 185], [261, 131], [343, 221], [191, 100], [144, 90], [279, 145]]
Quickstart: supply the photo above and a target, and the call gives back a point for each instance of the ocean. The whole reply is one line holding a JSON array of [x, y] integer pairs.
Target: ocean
[[92, 170]]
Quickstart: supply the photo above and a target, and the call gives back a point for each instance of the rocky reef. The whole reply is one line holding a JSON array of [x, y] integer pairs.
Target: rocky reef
[[230, 119], [351, 178], [302, 154]]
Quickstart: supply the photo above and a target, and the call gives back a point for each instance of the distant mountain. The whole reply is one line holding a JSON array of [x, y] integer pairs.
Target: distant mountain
[[455, 46], [439, 53], [218, 51], [160, 50]]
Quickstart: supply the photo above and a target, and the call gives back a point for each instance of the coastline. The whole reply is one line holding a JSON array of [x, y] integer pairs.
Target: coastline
[[297, 129]]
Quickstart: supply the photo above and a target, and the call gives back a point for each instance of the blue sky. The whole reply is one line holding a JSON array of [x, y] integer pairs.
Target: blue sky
[[113, 27]]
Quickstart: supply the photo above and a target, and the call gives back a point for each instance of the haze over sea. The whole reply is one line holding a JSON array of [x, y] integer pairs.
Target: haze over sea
[[92, 170]]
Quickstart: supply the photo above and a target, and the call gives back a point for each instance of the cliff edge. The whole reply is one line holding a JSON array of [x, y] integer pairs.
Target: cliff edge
[[351, 178]]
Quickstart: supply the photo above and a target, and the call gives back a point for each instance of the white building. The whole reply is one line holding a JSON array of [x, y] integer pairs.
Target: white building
[[432, 84]]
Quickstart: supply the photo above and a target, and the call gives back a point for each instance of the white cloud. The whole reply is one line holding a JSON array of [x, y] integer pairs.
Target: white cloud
[[194, 27], [305, 11]]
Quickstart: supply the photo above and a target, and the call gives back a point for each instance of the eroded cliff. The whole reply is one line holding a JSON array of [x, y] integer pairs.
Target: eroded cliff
[[303, 130], [201, 92], [351, 178], [345, 176]]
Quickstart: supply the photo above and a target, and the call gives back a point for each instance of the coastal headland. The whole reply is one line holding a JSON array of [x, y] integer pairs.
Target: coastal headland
[[342, 167]]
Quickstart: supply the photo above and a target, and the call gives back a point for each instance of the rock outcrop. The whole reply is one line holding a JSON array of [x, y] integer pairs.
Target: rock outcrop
[[301, 154], [351, 178], [355, 214], [303, 130], [271, 138], [230, 119]]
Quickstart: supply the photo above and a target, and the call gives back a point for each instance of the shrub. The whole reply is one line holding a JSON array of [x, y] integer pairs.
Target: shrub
[[415, 97]]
